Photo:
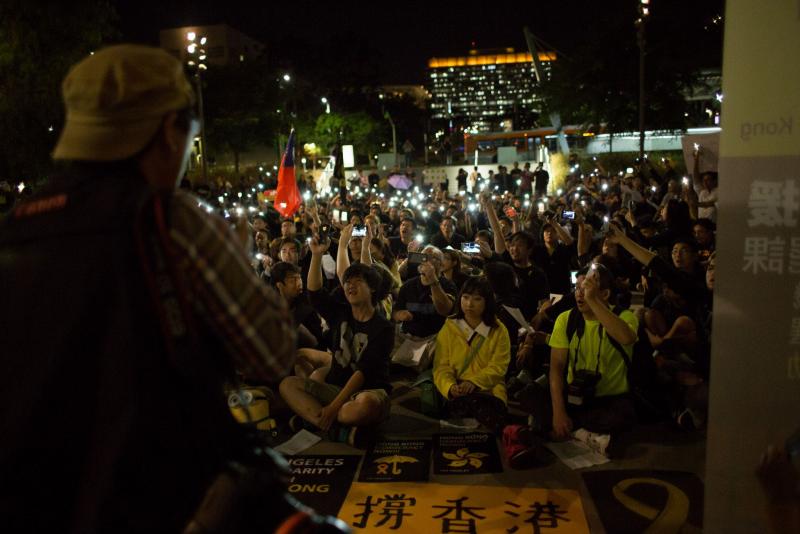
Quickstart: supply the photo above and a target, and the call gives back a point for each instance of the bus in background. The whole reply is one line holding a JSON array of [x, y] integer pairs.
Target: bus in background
[[530, 144], [527, 142]]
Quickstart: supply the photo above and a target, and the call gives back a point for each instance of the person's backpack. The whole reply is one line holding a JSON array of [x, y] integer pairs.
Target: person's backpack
[[648, 394]]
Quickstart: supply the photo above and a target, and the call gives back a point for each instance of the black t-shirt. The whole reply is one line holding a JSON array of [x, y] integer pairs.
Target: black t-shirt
[[556, 266], [357, 346], [541, 177], [304, 314], [533, 286], [416, 298], [398, 248], [441, 242]]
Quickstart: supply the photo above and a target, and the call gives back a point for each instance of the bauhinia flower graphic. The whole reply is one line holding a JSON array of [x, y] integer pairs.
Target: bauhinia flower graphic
[[463, 457]]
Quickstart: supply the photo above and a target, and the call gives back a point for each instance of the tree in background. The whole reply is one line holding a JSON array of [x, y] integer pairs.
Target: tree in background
[[39, 41], [360, 129], [595, 80]]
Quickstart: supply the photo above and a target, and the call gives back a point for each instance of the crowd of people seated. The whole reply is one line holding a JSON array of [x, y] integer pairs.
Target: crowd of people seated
[[589, 306]]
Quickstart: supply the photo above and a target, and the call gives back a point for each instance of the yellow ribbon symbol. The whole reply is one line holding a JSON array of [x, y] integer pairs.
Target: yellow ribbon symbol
[[671, 519]]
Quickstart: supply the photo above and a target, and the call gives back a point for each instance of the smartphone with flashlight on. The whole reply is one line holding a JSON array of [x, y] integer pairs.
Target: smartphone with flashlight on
[[470, 248], [415, 258]]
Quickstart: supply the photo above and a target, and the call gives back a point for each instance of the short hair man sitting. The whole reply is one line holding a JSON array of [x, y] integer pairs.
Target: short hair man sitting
[[347, 390]]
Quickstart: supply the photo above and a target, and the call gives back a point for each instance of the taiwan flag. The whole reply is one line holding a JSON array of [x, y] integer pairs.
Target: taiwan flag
[[287, 198]]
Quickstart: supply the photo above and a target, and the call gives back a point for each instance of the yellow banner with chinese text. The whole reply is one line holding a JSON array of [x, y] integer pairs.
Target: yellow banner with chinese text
[[425, 507]]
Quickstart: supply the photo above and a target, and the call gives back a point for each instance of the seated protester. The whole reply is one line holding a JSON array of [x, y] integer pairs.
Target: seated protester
[[682, 301], [287, 280], [425, 300], [703, 231], [594, 395], [289, 229], [376, 210], [350, 390], [262, 260], [399, 244], [677, 223], [381, 253], [346, 248], [503, 281], [556, 256], [684, 258], [484, 240], [533, 284], [289, 250], [447, 236], [471, 358], [353, 245], [451, 268]]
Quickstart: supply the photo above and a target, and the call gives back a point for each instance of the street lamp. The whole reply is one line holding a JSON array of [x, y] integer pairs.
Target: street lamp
[[327, 104], [644, 12], [197, 59]]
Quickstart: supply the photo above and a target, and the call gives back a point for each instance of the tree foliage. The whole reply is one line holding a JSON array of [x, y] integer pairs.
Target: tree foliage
[[596, 80], [39, 41], [360, 129]]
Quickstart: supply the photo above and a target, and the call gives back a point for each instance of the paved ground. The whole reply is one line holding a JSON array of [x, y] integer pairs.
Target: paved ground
[[649, 447]]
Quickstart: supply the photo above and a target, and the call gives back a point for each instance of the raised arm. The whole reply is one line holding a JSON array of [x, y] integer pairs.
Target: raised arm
[[494, 222], [562, 234], [314, 282], [584, 239], [641, 254], [342, 258], [616, 327], [366, 254]]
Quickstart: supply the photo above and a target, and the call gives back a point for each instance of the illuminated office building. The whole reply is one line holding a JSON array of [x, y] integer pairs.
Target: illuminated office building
[[485, 91]]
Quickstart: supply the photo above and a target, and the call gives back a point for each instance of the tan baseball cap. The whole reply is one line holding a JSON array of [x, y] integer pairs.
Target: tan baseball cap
[[116, 100]]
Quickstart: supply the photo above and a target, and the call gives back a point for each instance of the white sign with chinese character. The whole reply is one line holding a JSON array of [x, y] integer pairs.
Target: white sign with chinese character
[[755, 349]]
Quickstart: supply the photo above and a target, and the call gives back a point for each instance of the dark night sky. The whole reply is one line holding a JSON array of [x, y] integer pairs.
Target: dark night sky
[[402, 34]]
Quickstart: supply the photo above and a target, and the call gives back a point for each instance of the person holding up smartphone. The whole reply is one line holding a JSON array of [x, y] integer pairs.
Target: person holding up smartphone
[[426, 300]]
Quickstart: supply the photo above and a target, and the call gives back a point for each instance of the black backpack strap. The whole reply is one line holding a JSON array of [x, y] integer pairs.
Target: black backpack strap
[[616, 344], [574, 323]]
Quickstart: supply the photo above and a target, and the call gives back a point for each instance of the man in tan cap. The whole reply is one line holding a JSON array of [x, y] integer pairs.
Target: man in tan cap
[[126, 307]]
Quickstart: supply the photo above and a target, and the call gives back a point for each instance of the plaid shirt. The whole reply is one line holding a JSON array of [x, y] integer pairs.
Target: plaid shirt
[[247, 315]]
